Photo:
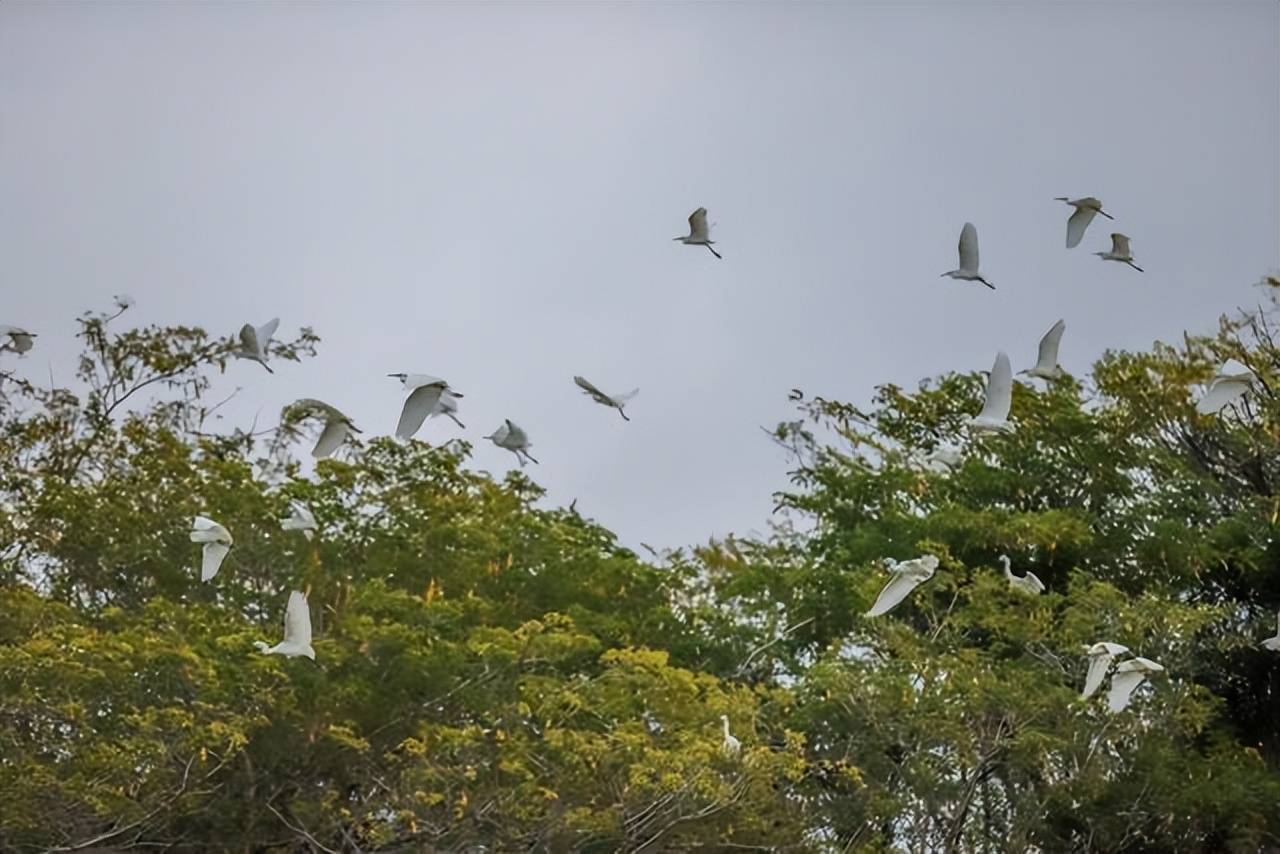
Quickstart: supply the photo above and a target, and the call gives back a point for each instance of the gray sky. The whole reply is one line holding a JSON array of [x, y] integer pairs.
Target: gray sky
[[488, 193]]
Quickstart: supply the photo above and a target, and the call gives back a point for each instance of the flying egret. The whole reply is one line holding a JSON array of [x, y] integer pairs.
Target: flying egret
[[1119, 251], [425, 394], [941, 460], [969, 257], [699, 233], [1100, 657], [217, 542], [297, 630], [1047, 367], [514, 439], [1029, 583], [254, 341], [731, 746], [994, 417], [122, 302], [1085, 210], [300, 519], [1128, 676], [617, 401], [336, 425], [19, 340], [1227, 386], [907, 576]]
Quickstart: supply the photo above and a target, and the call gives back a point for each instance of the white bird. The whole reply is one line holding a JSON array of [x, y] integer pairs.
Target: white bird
[[122, 302], [1128, 676], [217, 542], [617, 401], [1229, 385], [19, 340], [337, 426], [300, 519], [907, 576], [1119, 251], [994, 417], [731, 746], [254, 341], [514, 439], [969, 257], [1273, 643], [297, 630], [425, 395], [1047, 367], [1029, 583], [1085, 210], [699, 234], [1100, 657], [941, 460]]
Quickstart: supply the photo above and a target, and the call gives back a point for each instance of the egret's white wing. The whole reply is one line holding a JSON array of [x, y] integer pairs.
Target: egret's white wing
[[297, 620], [623, 398], [420, 403], [301, 519], [999, 397], [211, 560], [332, 436], [1035, 580], [499, 436], [969, 248], [587, 386], [1123, 684], [205, 530], [1078, 222], [1224, 391], [249, 339], [516, 436], [1098, 667], [893, 593], [1048, 358], [264, 332], [1120, 245], [698, 224]]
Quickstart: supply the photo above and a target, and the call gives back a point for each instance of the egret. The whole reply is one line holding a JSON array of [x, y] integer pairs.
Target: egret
[[254, 341], [1228, 385], [514, 439], [425, 394], [941, 460], [969, 257], [699, 233], [1047, 367], [907, 576], [617, 401], [297, 630], [994, 417], [19, 340], [731, 746], [122, 302], [1029, 583], [1085, 210], [337, 426], [300, 519], [1100, 657], [1273, 643], [1128, 676], [217, 542], [1119, 251]]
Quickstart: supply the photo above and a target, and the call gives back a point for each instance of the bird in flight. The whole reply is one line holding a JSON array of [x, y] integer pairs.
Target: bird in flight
[[514, 439], [617, 401], [994, 417], [217, 542], [254, 341], [907, 576], [297, 630], [1128, 676], [19, 340], [699, 233], [1047, 367], [300, 519], [1100, 657], [337, 426], [1119, 251], [1231, 383], [1085, 210], [425, 395], [969, 257]]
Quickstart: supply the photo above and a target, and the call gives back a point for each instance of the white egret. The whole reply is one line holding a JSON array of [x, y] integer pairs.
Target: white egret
[[1085, 210], [1231, 383], [617, 401], [731, 746], [1100, 657], [514, 439], [297, 630], [1128, 676], [699, 233], [16, 340], [1029, 583], [122, 302], [907, 576], [300, 519], [1273, 643], [1119, 251], [425, 394], [941, 460], [337, 426], [994, 417], [254, 341], [969, 257], [217, 542], [1047, 367]]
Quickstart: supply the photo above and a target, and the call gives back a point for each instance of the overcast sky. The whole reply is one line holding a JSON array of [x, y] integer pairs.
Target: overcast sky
[[488, 193]]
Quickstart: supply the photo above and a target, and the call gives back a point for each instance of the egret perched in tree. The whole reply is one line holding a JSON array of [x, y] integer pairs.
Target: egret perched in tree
[[1128, 676], [1029, 583], [1085, 210], [425, 394], [1231, 383], [254, 341], [731, 746], [994, 417], [336, 425], [1273, 643], [699, 232], [1119, 251], [617, 401], [514, 439], [907, 576], [969, 257], [217, 542], [1047, 367], [300, 519], [17, 340], [297, 630], [1100, 657]]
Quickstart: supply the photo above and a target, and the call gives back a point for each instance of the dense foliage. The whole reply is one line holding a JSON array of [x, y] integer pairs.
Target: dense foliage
[[495, 675]]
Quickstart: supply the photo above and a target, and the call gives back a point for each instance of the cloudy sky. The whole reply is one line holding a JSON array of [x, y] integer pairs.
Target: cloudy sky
[[488, 193]]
